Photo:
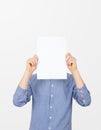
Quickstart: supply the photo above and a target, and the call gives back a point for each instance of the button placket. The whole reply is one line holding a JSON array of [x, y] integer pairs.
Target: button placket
[[51, 105]]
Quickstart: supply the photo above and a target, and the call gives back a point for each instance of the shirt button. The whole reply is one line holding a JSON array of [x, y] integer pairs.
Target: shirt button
[[49, 128], [51, 107], [52, 85], [50, 117], [81, 91], [51, 95]]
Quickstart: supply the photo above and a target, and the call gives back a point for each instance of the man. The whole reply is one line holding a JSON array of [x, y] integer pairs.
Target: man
[[51, 99]]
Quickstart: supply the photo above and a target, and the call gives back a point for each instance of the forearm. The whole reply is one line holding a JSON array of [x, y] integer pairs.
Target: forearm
[[78, 79], [25, 79]]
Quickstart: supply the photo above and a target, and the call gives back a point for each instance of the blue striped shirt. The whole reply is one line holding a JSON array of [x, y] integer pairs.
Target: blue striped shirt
[[51, 102]]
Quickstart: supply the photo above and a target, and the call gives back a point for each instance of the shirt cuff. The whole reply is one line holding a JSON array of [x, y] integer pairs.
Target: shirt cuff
[[84, 88], [82, 92], [21, 90]]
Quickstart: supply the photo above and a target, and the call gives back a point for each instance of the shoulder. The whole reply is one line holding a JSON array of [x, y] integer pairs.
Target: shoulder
[[33, 78], [69, 76], [70, 79]]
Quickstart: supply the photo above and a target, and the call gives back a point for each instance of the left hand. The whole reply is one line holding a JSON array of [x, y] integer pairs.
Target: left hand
[[71, 62]]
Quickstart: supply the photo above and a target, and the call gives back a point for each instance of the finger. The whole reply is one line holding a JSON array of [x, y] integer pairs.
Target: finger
[[35, 61], [70, 62], [68, 56], [35, 56], [31, 63]]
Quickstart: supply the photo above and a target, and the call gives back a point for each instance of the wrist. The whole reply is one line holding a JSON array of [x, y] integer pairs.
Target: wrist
[[28, 73], [24, 81], [79, 81], [75, 71]]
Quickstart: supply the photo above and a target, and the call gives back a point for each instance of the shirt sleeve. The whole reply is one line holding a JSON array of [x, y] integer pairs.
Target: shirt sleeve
[[81, 95], [22, 96]]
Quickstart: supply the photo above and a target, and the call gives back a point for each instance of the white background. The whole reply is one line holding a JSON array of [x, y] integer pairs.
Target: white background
[[21, 22]]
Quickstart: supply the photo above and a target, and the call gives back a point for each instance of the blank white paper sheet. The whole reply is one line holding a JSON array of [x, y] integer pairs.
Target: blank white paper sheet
[[51, 52]]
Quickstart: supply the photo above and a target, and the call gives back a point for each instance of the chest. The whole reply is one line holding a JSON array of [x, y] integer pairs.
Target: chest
[[57, 89]]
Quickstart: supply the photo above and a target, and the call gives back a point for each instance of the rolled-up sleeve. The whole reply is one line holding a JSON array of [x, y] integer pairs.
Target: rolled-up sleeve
[[22, 96], [81, 95]]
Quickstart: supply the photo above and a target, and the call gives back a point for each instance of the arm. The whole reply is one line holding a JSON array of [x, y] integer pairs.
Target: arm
[[80, 91], [23, 92]]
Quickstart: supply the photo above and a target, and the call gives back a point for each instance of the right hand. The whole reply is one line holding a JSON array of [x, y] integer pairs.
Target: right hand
[[31, 64]]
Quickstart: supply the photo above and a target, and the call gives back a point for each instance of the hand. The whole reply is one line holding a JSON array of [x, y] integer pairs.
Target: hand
[[71, 62], [31, 64]]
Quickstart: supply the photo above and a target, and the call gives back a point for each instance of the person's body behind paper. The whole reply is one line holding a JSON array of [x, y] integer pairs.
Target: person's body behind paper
[[51, 99]]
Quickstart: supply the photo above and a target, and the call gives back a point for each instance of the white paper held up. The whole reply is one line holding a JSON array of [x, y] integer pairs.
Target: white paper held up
[[51, 52]]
